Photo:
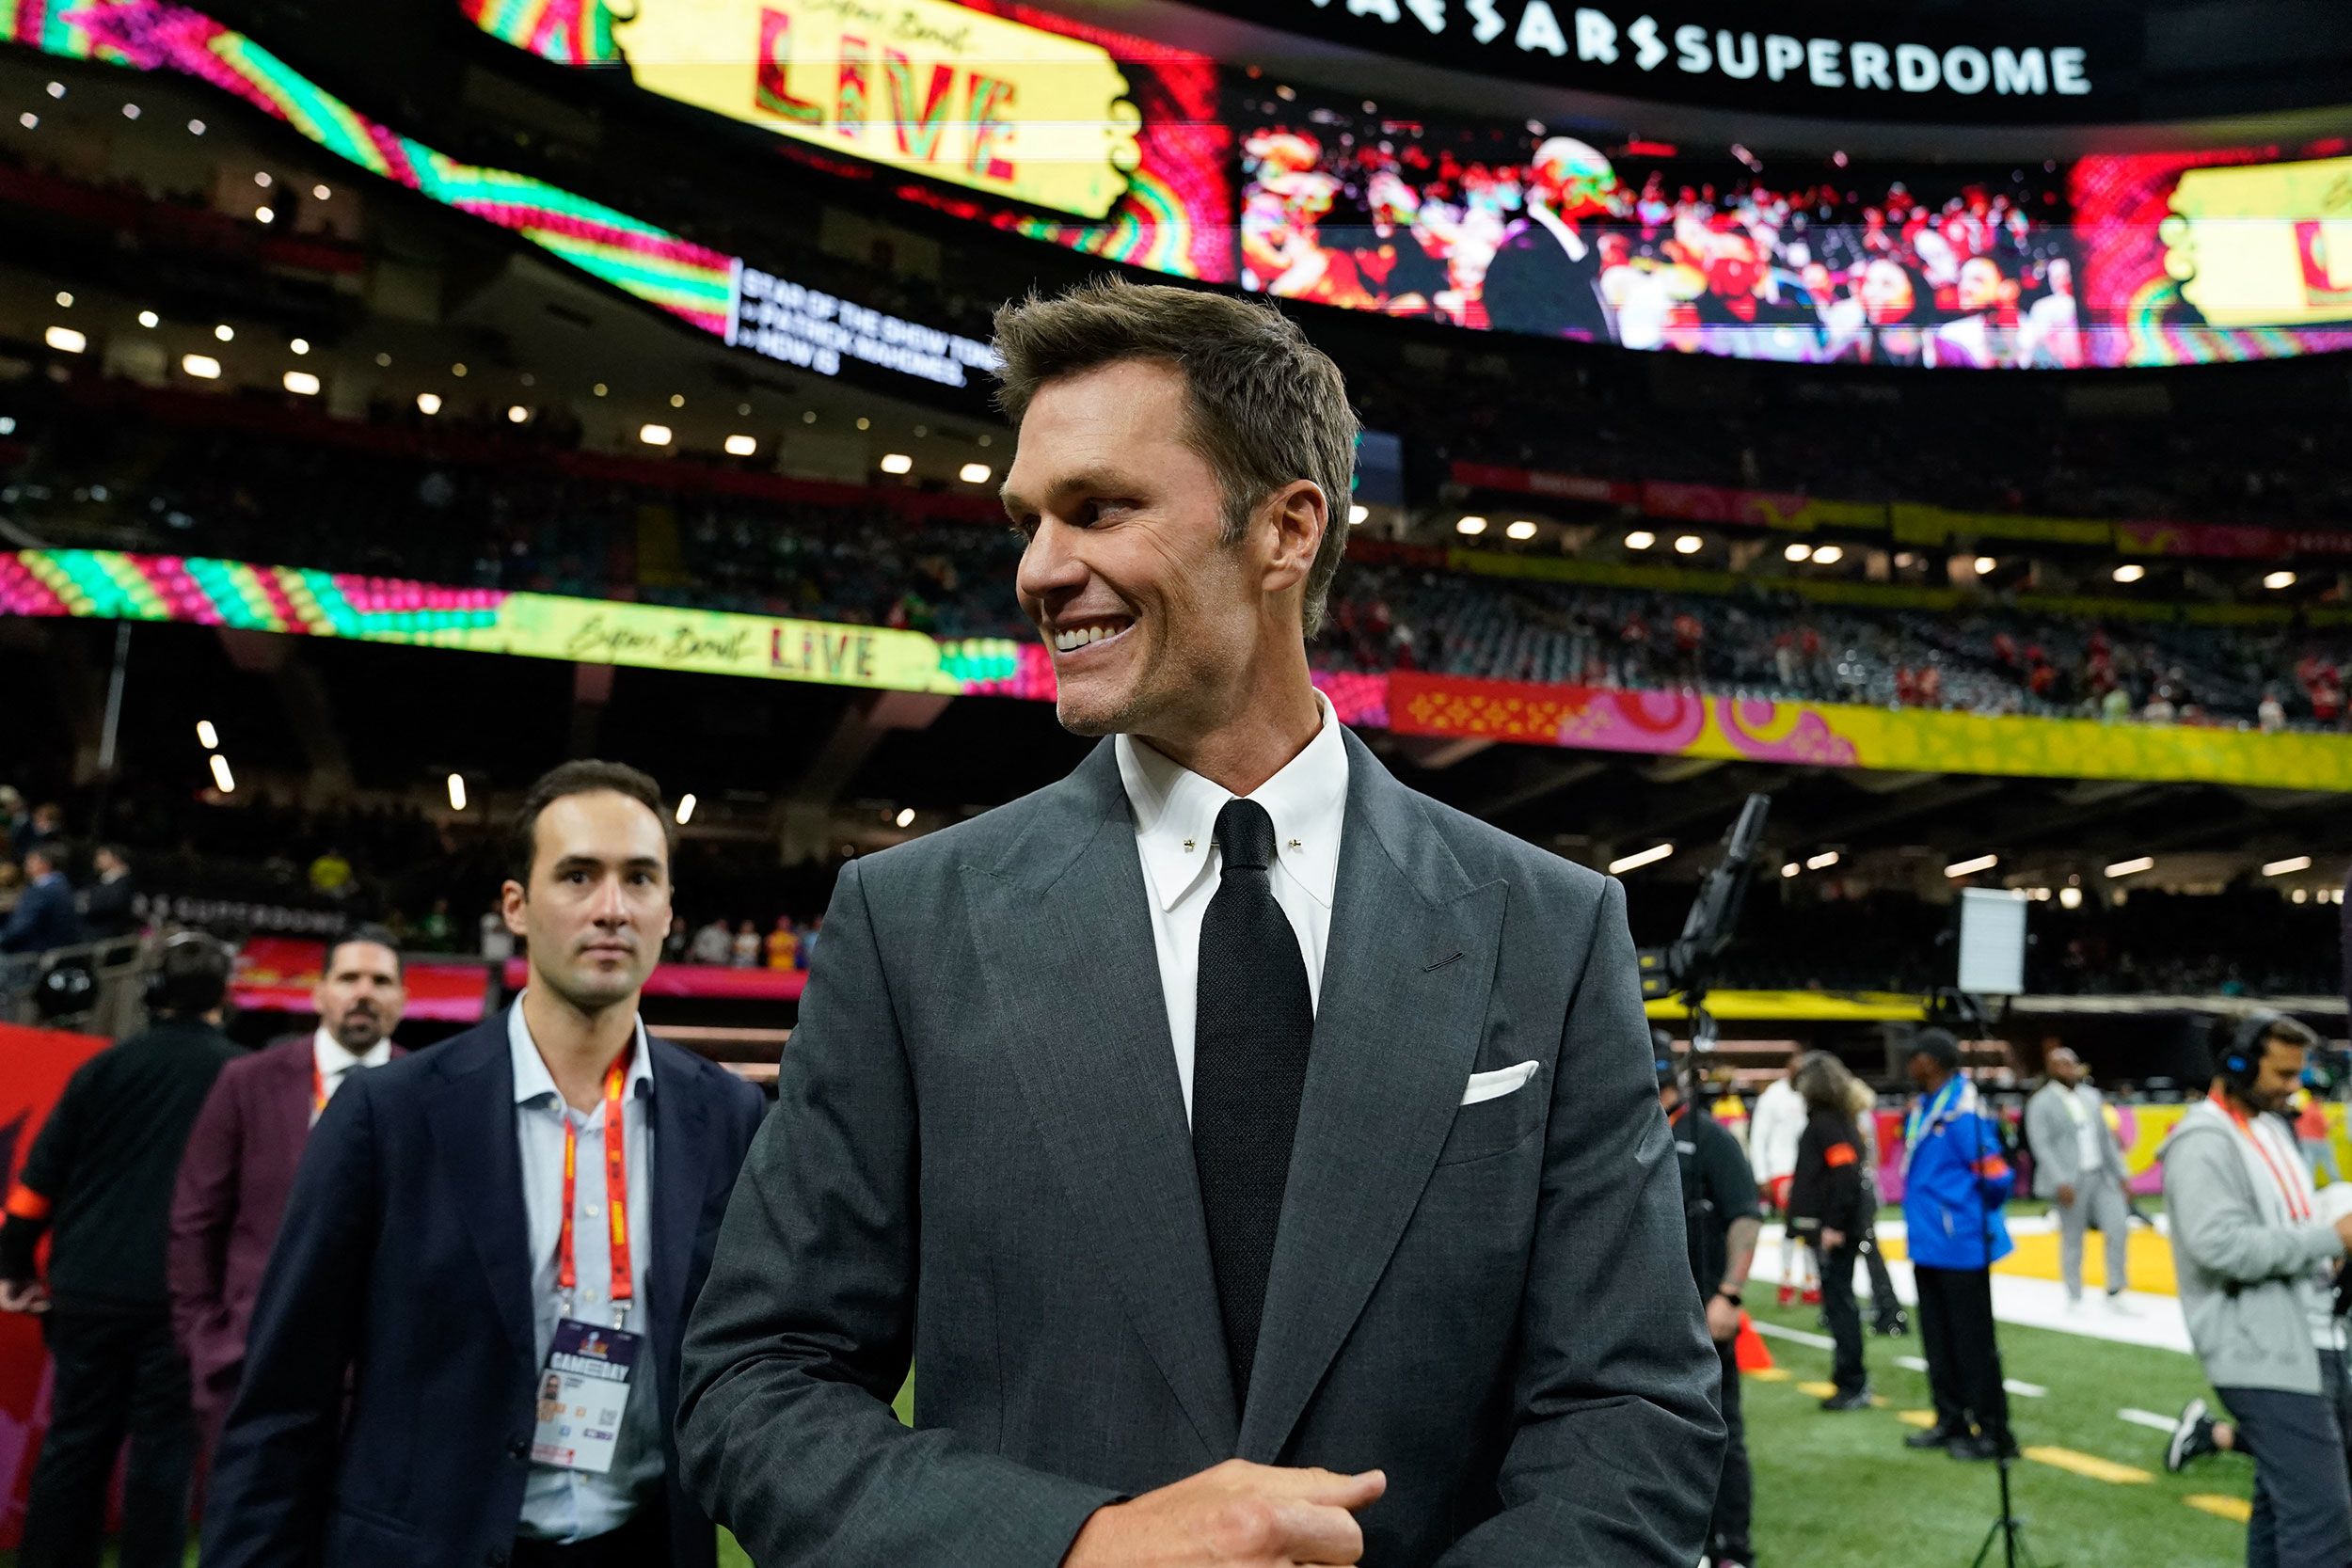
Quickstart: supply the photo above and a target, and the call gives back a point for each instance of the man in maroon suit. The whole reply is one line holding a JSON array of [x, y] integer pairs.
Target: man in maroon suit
[[242, 1154]]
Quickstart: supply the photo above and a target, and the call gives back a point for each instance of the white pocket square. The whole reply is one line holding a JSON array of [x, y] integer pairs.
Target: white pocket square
[[1494, 1086]]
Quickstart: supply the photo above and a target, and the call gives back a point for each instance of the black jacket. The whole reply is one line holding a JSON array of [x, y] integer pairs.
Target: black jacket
[[1826, 1191], [403, 1272], [100, 1172]]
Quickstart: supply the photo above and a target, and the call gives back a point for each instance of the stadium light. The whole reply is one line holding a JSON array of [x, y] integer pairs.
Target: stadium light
[[905, 817], [2132, 866], [1822, 862], [741, 445], [201, 366], [223, 780], [2277, 581], [264, 215], [1790, 869], [1970, 868], [2131, 571], [196, 128], [1639, 858], [225, 333], [600, 389], [1690, 543], [65, 339], [65, 301], [2293, 863], [1522, 529], [2038, 895], [654, 434], [2070, 898], [1356, 515], [865, 423], [302, 384], [28, 120], [206, 735], [677, 399], [1986, 565], [975, 473], [686, 808], [1798, 552], [518, 414], [148, 318], [896, 463], [56, 89], [1829, 555], [457, 792], [2300, 896], [458, 370], [260, 178], [428, 402], [1470, 527], [1640, 539], [300, 345], [321, 192], [130, 111]]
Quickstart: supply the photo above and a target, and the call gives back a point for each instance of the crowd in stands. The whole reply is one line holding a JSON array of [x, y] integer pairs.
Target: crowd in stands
[[413, 512]]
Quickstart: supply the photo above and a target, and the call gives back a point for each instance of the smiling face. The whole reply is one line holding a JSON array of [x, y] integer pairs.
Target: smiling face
[[598, 906], [1153, 621]]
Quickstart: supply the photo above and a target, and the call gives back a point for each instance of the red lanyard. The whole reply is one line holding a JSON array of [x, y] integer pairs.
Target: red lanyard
[[616, 1192], [2298, 1208], [318, 1087]]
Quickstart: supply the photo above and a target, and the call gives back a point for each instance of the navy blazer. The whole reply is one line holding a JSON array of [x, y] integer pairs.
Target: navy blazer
[[44, 919], [402, 1273]]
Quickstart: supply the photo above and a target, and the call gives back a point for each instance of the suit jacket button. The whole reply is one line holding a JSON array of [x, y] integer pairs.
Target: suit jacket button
[[519, 1448]]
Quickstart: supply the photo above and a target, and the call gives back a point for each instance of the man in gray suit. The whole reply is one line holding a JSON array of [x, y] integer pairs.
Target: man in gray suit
[[2078, 1166], [1259, 1160]]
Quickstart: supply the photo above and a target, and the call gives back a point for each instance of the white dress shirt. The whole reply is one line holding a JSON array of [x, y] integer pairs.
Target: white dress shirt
[[1175, 811], [575, 1505], [335, 1064]]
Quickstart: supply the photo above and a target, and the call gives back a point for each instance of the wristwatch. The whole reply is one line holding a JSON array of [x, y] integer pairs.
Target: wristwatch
[[1731, 1296]]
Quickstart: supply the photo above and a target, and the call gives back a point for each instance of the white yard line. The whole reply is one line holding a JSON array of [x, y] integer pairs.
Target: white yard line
[[2147, 1418], [1802, 1335]]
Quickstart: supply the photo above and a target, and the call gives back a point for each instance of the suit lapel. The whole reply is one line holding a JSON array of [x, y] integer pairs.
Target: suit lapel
[[681, 1171], [472, 1120], [1062, 929], [1400, 1014], [289, 1106]]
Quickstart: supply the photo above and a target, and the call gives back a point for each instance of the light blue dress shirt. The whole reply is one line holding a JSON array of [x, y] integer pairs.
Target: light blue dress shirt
[[574, 1505]]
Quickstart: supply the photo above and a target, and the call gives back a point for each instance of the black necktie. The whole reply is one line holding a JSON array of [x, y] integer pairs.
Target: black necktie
[[1250, 1064]]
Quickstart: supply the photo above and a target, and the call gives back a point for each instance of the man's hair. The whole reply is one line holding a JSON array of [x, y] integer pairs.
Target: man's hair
[[1263, 406], [1822, 1083], [191, 976], [1937, 1046], [376, 936], [56, 852], [586, 776], [2290, 1031], [114, 849]]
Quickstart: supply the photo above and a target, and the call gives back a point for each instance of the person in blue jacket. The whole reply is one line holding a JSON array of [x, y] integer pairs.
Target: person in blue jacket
[[1956, 1176]]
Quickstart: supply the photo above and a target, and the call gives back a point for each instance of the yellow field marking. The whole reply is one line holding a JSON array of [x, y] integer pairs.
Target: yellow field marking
[[1920, 1419], [1817, 1390], [2236, 1509], [2090, 1466], [2149, 1259], [1769, 1374]]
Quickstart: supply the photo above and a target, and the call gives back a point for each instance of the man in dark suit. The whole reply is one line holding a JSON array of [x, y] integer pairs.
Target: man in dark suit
[[1545, 276], [239, 1168], [444, 1268], [1261, 1161], [110, 907], [44, 917]]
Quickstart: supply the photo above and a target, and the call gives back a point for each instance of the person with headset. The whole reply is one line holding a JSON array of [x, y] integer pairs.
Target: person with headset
[[98, 1182], [2257, 1265]]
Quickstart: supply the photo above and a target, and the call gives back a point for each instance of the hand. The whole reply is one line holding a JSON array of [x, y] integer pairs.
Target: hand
[[1831, 1240], [2343, 1234], [24, 1296], [2066, 1195], [1236, 1516], [1722, 1320]]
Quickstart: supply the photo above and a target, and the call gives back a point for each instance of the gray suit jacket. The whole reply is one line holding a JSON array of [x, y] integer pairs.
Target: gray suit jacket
[[979, 1160], [2058, 1160]]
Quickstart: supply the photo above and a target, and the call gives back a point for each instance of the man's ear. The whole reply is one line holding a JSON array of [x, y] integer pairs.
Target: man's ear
[[1298, 515]]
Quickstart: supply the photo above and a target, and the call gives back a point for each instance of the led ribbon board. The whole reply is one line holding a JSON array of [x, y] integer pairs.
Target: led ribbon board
[[704, 287]]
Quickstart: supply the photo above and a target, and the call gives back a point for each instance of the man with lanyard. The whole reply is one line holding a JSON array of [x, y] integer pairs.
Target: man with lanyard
[[1723, 1220], [1956, 1176], [2078, 1166], [465, 1347], [2256, 1265]]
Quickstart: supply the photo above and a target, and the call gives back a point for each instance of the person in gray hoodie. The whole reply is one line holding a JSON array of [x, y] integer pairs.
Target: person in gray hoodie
[[2256, 1267]]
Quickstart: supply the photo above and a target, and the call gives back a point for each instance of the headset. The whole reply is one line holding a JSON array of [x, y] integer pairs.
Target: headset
[[2241, 1059], [191, 974]]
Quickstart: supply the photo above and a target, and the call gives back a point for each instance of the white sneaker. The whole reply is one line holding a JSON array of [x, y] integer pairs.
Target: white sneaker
[[2121, 1306]]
